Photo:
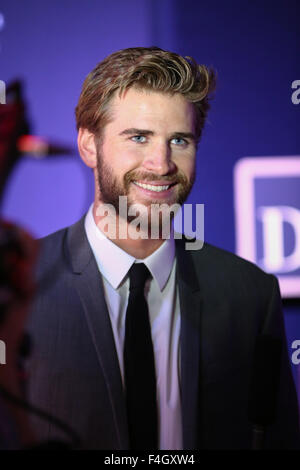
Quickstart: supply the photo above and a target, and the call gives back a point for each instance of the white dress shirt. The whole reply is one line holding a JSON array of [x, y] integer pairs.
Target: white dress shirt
[[164, 312]]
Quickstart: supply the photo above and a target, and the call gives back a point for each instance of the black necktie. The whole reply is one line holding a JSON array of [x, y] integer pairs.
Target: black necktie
[[139, 365]]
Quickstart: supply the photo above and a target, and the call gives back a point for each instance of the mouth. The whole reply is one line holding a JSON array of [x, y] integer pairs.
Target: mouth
[[157, 187]]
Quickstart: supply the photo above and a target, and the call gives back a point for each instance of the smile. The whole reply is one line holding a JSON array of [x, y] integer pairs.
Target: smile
[[151, 187]]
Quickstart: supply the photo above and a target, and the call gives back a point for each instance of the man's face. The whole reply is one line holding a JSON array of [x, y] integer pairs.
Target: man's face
[[147, 151]]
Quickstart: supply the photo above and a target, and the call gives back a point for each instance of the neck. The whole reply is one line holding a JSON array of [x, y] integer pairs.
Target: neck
[[137, 243]]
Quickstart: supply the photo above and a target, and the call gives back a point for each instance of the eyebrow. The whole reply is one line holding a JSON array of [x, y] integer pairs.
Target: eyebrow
[[133, 130]]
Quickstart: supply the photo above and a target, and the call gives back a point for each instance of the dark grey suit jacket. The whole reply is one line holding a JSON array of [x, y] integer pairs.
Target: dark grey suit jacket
[[225, 303]]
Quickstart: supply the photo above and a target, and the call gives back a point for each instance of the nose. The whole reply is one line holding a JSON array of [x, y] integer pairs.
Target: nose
[[159, 160]]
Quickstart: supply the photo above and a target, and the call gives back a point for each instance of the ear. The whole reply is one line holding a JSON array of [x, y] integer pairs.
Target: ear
[[87, 147]]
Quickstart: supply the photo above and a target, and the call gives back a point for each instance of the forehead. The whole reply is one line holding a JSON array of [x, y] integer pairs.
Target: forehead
[[147, 109]]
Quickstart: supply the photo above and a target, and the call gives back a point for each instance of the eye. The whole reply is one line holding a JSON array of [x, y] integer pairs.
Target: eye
[[179, 141], [140, 139]]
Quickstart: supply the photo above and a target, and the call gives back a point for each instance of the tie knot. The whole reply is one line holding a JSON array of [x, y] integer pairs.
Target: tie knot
[[138, 274]]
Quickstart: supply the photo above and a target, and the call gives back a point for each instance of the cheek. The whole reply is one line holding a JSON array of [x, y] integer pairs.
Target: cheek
[[123, 156], [186, 164]]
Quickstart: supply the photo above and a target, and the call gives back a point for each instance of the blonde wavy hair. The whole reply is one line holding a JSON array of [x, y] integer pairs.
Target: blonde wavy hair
[[146, 68]]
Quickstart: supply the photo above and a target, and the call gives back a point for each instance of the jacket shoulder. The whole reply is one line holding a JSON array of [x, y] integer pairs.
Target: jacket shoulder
[[218, 267], [221, 257], [51, 245]]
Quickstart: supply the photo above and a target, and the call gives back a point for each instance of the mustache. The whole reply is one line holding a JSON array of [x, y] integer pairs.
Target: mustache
[[135, 176]]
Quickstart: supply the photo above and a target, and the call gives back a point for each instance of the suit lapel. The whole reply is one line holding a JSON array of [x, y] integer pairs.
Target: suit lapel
[[190, 304], [88, 282]]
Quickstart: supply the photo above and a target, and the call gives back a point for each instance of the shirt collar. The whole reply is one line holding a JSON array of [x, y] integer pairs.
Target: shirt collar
[[114, 263]]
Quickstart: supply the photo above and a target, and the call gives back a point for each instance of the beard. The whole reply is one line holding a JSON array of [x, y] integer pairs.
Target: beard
[[111, 188]]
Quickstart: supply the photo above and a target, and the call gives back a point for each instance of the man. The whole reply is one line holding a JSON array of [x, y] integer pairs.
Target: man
[[197, 313]]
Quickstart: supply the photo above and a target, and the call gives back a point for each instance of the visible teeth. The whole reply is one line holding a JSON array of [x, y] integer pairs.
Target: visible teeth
[[152, 188]]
